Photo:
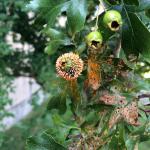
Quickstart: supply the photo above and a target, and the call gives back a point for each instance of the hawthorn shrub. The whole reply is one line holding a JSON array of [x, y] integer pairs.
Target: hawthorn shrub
[[96, 83]]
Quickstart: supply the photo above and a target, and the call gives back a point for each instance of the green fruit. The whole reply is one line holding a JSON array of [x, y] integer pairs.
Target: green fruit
[[94, 39], [113, 20]]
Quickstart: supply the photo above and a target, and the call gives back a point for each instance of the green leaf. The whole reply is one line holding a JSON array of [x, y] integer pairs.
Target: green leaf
[[43, 142], [143, 116], [57, 39], [56, 11], [144, 145], [140, 130], [49, 4], [81, 48], [76, 13], [61, 125], [57, 102], [135, 35], [141, 36], [130, 144], [59, 129], [121, 134], [144, 4], [148, 13], [53, 12], [133, 2], [92, 117], [127, 33], [53, 33], [144, 138], [141, 6], [123, 57], [52, 46]]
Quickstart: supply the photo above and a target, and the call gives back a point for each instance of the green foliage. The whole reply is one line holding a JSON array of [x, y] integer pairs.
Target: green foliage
[[43, 142], [76, 14], [52, 9], [90, 117], [55, 136], [138, 32]]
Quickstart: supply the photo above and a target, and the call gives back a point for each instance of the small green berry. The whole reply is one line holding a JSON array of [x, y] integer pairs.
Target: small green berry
[[94, 39], [113, 20]]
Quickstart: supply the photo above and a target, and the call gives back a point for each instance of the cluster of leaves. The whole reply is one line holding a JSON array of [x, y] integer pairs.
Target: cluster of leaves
[[90, 119]]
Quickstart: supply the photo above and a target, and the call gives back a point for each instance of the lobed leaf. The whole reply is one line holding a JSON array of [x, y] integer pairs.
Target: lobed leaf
[[43, 142], [135, 35], [76, 13]]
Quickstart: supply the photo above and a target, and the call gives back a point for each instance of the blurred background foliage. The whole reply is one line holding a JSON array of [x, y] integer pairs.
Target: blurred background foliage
[[17, 23], [37, 24]]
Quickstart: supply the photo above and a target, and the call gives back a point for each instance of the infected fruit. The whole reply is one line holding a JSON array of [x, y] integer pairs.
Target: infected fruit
[[94, 39], [113, 20], [69, 66]]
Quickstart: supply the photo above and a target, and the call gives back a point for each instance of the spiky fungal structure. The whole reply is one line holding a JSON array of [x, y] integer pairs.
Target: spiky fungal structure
[[69, 66]]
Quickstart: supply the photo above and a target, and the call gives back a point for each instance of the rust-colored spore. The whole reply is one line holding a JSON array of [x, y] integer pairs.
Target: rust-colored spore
[[94, 75]]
